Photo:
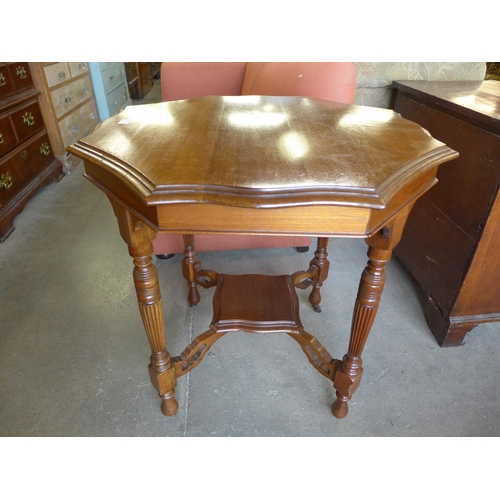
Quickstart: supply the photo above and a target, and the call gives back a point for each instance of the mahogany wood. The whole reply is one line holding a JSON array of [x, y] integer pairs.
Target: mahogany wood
[[27, 161], [140, 78], [451, 243], [260, 165]]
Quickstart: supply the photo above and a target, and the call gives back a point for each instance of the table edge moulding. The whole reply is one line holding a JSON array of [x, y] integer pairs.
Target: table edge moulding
[[451, 244], [260, 165]]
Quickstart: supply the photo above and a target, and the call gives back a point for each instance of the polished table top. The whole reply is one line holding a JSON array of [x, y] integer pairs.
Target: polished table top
[[259, 152]]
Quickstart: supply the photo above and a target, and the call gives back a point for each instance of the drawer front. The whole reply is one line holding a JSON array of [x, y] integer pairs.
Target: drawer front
[[112, 77], [27, 121], [7, 136], [78, 68], [6, 81], [70, 96], [21, 75], [131, 70], [57, 73], [76, 125], [117, 98], [435, 251], [105, 65], [23, 164], [467, 185]]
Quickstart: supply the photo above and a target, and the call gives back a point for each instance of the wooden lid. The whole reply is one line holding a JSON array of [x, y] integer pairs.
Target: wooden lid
[[477, 102]]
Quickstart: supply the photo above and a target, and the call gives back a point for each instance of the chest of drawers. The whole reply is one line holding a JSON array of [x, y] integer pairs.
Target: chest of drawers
[[27, 161], [140, 78], [451, 243], [110, 87], [67, 103]]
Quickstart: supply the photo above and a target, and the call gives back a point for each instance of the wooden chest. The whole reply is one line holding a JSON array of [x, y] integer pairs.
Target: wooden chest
[[67, 103], [451, 243], [27, 161], [140, 77]]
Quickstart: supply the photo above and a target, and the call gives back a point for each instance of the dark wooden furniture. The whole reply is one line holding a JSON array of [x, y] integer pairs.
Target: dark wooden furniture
[[451, 243], [155, 68], [260, 165], [26, 159], [140, 78]]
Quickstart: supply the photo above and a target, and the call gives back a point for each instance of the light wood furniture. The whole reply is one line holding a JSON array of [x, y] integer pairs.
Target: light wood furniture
[[451, 244], [260, 165], [67, 103], [110, 87], [26, 158]]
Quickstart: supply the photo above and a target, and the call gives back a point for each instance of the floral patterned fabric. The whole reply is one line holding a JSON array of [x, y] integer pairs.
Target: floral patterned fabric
[[374, 79]]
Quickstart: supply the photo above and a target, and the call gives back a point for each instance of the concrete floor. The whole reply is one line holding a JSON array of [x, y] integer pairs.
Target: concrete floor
[[73, 353]]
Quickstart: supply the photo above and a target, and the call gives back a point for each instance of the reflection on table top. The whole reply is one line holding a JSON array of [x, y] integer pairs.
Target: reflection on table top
[[260, 151]]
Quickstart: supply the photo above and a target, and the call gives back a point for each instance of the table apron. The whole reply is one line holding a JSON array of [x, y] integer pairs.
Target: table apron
[[298, 220]]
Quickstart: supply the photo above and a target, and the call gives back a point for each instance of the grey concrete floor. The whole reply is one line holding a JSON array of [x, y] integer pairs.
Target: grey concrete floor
[[73, 353]]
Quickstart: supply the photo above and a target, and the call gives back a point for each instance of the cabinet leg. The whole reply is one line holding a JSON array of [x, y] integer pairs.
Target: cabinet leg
[[447, 331]]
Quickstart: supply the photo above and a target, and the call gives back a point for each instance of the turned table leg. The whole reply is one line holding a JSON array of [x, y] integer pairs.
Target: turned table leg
[[380, 246], [190, 267], [315, 275], [321, 265], [139, 238], [193, 272]]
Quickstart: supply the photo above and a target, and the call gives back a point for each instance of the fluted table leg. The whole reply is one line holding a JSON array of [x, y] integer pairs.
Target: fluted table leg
[[380, 246], [139, 238]]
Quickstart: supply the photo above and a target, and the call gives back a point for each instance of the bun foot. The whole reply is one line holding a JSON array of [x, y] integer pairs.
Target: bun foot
[[165, 256], [169, 405], [193, 295], [339, 407]]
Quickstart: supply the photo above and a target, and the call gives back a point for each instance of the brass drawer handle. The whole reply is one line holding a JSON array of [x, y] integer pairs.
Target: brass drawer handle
[[28, 119], [45, 149], [82, 66], [21, 72], [1, 138], [62, 75], [2, 80], [23, 154], [5, 181], [68, 99]]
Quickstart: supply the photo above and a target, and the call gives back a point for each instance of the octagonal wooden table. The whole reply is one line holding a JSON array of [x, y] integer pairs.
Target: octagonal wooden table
[[260, 165]]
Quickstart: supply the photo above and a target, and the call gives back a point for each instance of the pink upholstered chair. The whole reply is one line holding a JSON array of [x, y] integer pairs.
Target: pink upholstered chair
[[330, 81]]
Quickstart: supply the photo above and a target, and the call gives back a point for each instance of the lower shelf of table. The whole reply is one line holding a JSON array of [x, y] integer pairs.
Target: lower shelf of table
[[256, 303]]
